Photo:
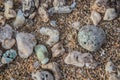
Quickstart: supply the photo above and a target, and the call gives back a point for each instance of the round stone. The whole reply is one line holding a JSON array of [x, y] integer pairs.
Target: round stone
[[91, 37]]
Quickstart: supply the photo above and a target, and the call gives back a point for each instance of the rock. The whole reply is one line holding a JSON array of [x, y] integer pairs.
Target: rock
[[8, 43], [43, 14], [36, 64], [76, 25], [57, 50], [100, 6], [20, 19], [80, 60], [6, 32], [25, 44], [9, 12], [8, 56], [95, 17], [91, 37], [110, 14], [52, 33], [54, 68], [59, 3], [42, 53], [2, 20], [42, 75], [110, 67], [53, 23]]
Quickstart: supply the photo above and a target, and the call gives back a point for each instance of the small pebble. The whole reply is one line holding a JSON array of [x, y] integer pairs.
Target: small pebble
[[53, 23], [91, 37], [95, 17], [8, 43], [59, 3], [76, 25], [42, 75], [36, 64], [42, 53], [8, 56]]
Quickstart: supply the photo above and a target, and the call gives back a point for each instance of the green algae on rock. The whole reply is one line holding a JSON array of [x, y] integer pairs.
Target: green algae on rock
[[42, 53], [8, 56], [91, 37]]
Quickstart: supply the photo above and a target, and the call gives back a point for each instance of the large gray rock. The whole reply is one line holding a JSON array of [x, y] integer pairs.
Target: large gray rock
[[91, 37]]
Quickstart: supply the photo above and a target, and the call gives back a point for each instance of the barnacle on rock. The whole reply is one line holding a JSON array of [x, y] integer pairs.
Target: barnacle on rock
[[52, 33]]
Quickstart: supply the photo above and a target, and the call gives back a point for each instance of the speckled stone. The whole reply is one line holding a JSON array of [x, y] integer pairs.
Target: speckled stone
[[91, 37]]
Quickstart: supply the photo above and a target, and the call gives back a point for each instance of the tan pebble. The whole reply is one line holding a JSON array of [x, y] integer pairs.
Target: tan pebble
[[8, 43]]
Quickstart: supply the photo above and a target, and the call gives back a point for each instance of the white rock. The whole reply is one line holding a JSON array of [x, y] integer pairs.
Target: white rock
[[76, 25], [52, 33], [25, 44], [54, 68], [78, 59], [57, 50], [95, 17], [20, 19], [110, 14]]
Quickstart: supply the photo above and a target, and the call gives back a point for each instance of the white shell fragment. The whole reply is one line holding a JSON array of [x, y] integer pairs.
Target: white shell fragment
[[54, 68], [20, 19], [76, 25], [95, 17], [42, 75], [57, 50], [59, 3], [110, 67], [78, 59], [9, 12], [25, 44], [43, 14], [110, 14], [52, 33]]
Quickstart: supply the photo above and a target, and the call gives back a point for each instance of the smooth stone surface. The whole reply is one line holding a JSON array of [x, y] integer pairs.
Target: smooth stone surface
[[8, 43], [91, 37], [42, 53], [25, 44], [8, 56], [42, 75]]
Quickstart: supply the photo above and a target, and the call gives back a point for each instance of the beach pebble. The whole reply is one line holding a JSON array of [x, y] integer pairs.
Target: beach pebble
[[53, 23], [8, 56], [42, 53], [36, 64], [43, 14], [25, 44], [8, 43], [95, 17], [110, 67], [59, 3], [2, 20], [6, 32], [80, 59], [52, 33], [9, 12], [42, 75], [76, 25], [110, 14], [91, 37], [54, 67], [20, 19], [57, 50]]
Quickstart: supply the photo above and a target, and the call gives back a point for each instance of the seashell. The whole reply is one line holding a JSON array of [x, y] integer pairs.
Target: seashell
[[57, 50], [8, 43], [43, 14], [42, 75], [9, 12], [6, 32], [52, 33], [76, 25], [42, 53], [25, 44], [100, 6], [95, 17], [110, 67], [8, 56], [20, 19], [59, 3], [91, 37], [54, 68], [110, 14], [80, 60]]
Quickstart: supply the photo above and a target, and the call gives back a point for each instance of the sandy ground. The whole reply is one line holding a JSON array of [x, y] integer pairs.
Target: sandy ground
[[20, 69]]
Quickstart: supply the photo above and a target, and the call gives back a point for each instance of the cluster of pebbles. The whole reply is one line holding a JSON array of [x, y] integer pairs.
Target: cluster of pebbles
[[90, 37]]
